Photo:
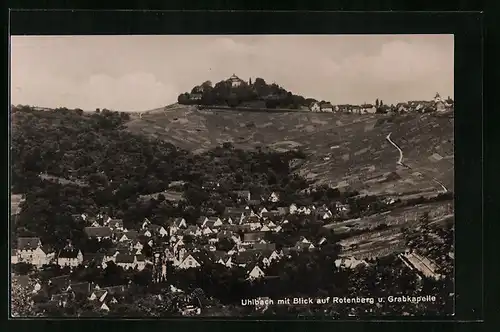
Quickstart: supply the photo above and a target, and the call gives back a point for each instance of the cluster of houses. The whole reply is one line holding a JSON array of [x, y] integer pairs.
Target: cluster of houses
[[175, 244], [244, 227], [61, 290], [422, 264], [30, 250], [437, 104]]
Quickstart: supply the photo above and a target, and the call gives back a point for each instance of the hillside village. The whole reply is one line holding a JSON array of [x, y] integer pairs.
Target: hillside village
[[188, 234], [242, 239], [235, 92]]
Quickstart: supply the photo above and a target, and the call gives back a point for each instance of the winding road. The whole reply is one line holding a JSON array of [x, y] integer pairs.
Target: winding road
[[400, 162]]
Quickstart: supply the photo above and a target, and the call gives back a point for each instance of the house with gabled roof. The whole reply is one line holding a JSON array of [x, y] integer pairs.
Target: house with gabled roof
[[264, 228], [326, 107], [180, 223], [255, 219], [243, 194], [304, 210], [179, 244], [283, 210], [315, 107], [274, 197], [157, 230], [127, 236], [255, 273], [220, 257], [271, 224], [140, 261], [193, 231], [253, 237], [236, 238], [28, 244], [59, 283], [126, 261], [145, 232], [245, 258], [92, 258], [13, 256], [83, 288], [30, 250], [69, 256], [37, 287], [61, 299], [235, 211], [368, 108], [138, 245], [201, 221], [110, 254], [189, 261], [273, 214], [145, 223], [117, 289], [225, 234], [98, 233], [95, 223], [273, 256], [104, 306], [176, 225], [98, 295], [115, 224], [207, 231], [300, 246], [212, 222], [323, 213], [263, 246], [263, 210]]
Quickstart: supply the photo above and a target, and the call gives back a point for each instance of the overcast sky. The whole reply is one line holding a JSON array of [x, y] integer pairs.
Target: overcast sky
[[137, 73]]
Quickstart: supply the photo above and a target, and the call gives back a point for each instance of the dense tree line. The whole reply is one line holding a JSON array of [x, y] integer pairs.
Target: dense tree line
[[117, 167], [256, 94]]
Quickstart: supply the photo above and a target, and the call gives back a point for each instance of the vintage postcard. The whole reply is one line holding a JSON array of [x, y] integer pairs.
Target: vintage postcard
[[232, 176]]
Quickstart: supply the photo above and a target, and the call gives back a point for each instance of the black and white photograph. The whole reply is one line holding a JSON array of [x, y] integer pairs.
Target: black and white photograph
[[232, 176]]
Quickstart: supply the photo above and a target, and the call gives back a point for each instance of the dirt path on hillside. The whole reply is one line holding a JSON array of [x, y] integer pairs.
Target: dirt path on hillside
[[400, 163]]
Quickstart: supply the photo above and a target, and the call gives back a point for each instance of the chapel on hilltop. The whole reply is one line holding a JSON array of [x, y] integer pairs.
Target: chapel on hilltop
[[437, 98], [235, 80]]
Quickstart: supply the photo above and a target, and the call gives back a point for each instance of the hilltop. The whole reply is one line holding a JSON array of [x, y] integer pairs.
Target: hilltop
[[237, 92], [342, 149]]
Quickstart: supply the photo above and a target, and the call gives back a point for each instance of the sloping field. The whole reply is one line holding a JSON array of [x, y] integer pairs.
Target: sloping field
[[62, 181], [343, 149], [395, 218], [15, 202], [169, 195]]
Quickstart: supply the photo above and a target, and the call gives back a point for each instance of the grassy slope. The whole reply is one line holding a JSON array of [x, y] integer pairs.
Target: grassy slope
[[340, 147]]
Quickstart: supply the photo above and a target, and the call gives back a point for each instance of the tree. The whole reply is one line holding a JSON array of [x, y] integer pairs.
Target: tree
[[233, 100], [227, 145], [206, 85], [196, 196], [376, 103], [424, 218], [225, 244], [183, 98], [22, 268]]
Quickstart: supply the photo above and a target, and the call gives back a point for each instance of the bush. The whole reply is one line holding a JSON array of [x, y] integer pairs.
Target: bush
[[22, 268]]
